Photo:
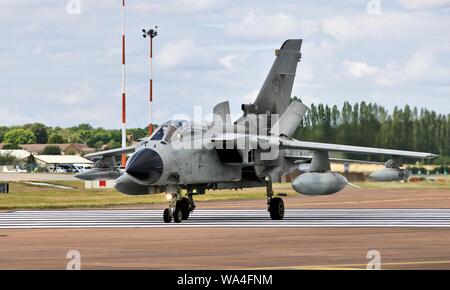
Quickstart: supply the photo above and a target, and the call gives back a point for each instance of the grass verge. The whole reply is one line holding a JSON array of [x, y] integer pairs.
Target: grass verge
[[26, 196]]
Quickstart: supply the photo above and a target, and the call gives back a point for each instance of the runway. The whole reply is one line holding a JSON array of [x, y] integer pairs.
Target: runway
[[433, 218]]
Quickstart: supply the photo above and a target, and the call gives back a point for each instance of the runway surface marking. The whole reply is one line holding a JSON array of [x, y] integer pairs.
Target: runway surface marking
[[227, 218], [353, 266], [376, 201]]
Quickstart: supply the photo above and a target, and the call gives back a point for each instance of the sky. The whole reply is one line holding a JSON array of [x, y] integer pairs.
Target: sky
[[61, 59]]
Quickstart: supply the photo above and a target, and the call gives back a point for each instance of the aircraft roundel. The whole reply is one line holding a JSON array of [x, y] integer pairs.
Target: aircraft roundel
[[276, 85]]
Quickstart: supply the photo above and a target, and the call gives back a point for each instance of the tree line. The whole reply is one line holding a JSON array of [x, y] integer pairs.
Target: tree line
[[362, 124], [38, 133], [371, 125]]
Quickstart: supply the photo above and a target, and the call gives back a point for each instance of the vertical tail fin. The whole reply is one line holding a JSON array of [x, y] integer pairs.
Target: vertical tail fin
[[275, 93]]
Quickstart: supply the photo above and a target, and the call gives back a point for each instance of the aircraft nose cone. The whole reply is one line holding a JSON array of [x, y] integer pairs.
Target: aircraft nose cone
[[145, 165]]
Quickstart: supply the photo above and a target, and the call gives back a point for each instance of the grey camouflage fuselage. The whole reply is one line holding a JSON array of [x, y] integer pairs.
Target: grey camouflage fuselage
[[255, 150]]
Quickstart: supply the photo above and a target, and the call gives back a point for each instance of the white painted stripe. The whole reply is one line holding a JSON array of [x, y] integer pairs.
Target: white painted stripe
[[228, 218]]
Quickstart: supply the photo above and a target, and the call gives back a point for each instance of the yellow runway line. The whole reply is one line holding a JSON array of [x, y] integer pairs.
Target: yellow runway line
[[350, 266]]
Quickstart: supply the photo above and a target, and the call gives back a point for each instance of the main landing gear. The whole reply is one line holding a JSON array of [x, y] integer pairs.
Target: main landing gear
[[275, 205], [179, 207]]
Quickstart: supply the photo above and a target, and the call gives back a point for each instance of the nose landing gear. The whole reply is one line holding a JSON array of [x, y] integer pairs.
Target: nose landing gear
[[167, 215], [179, 207]]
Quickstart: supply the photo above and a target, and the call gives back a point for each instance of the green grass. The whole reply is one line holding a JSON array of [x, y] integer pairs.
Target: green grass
[[403, 186], [39, 197], [444, 183], [24, 196]]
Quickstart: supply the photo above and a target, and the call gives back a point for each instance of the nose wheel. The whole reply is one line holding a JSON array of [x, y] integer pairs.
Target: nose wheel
[[167, 216], [179, 208], [178, 215], [186, 205]]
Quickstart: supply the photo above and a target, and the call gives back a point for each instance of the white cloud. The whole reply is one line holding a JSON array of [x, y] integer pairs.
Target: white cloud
[[385, 26], [81, 93], [195, 6], [258, 25], [235, 61], [383, 81], [420, 63], [250, 97], [424, 4], [186, 54], [305, 73], [38, 50], [364, 26], [181, 6], [358, 69], [340, 28], [10, 117], [421, 68], [228, 61]]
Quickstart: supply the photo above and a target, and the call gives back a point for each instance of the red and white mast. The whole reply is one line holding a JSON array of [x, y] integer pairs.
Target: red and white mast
[[151, 33], [150, 127], [124, 115]]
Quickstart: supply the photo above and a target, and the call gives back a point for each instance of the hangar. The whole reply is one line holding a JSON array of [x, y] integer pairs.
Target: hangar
[[50, 162]]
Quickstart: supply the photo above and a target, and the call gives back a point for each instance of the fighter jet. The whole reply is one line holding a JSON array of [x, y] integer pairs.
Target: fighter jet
[[255, 150]]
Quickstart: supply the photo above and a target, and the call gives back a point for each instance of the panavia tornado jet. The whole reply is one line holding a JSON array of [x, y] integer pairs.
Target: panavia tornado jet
[[255, 150]]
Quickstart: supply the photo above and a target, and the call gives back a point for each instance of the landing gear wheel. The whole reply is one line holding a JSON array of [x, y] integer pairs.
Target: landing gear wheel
[[183, 204], [185, 214], [276, 208], [178, 215], [167, 216]]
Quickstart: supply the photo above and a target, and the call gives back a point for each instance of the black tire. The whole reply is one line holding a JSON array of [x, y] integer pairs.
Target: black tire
[[276, 208], [183, 204], [177, 215], [185, 214], [167, 216]]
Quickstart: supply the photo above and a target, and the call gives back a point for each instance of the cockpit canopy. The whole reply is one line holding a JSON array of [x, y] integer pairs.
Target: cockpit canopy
[[178, 130], [163, 130]]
